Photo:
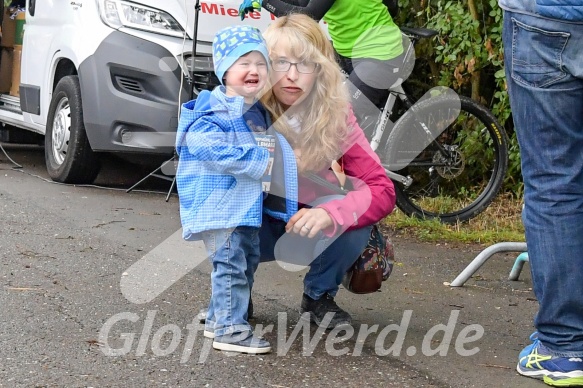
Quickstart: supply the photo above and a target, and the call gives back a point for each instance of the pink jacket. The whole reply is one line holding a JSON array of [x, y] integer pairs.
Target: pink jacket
[[372, 196]]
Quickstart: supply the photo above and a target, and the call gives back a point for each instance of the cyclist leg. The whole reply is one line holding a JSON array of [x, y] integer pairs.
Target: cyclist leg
[[369, 83]]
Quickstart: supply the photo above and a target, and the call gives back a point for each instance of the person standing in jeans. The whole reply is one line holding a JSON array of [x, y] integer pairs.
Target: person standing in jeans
[[543, 51]]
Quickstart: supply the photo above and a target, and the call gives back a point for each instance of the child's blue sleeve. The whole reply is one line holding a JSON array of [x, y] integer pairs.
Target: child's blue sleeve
[[223, 152]]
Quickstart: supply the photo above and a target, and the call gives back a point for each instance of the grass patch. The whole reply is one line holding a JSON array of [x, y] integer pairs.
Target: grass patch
[[501, 221]]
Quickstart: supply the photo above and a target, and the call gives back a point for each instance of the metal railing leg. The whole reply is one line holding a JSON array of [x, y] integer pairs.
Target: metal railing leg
[[483, 257], [517, 267]]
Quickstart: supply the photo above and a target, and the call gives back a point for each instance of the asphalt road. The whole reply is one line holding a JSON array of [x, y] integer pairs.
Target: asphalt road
[[98, 290]]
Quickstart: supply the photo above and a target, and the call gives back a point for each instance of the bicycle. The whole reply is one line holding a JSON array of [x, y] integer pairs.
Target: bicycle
[[459, 168]]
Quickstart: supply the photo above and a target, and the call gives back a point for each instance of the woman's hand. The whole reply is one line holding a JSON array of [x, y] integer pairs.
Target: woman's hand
[[309, 222]]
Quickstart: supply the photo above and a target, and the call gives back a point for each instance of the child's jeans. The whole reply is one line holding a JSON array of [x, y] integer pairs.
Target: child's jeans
[[234, 254]]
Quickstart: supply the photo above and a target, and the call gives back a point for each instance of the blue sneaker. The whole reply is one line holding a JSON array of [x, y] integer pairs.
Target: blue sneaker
[[536, 361], [527, 350]]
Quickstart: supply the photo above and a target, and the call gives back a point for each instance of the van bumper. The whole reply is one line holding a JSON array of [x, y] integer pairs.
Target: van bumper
[[130, 89]]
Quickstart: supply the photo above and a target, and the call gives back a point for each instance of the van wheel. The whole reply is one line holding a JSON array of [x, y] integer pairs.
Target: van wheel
[[68, 155]]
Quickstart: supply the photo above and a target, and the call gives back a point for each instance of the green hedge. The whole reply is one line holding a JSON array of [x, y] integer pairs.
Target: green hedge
[[467, 56]]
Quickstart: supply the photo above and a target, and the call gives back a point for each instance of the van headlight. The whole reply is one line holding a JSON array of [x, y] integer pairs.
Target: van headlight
[[120, 13]]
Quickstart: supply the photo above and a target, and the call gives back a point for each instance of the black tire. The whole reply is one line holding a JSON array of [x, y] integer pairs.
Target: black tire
[[68, 155], [455, 177]]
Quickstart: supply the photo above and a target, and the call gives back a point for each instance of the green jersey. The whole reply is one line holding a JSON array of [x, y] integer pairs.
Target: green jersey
[[363, 29]]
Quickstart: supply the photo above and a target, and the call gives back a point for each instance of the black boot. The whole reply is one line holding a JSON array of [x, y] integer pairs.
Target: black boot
[[319, 308]]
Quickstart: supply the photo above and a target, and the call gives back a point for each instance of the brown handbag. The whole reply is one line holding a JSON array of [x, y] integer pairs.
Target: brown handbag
[[375, 264]]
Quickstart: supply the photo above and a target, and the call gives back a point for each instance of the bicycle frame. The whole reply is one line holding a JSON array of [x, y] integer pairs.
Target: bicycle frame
[[396, 91]]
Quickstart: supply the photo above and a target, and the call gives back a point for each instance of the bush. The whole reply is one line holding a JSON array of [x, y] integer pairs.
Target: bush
[[466, 56]]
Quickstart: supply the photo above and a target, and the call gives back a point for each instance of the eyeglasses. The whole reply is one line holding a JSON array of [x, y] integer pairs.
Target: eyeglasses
[[304, 67]]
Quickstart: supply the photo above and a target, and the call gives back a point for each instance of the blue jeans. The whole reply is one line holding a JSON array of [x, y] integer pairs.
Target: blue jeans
[[544, 71], [234, 254], [329, 259]]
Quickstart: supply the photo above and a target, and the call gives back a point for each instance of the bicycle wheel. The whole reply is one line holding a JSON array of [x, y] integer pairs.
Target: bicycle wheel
[[457, 175]]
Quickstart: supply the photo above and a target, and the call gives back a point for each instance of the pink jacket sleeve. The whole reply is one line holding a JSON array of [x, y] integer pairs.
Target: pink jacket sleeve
[[373, 195]]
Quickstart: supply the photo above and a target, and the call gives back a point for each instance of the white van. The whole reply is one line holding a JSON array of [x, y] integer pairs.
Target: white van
[[109, 75]]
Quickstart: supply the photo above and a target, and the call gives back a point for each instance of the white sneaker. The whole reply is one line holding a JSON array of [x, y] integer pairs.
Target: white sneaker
[[208, 334], [244, 342]]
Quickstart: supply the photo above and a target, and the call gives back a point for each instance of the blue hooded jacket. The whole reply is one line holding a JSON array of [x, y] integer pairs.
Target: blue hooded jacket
[[220, 166], [569, 10]]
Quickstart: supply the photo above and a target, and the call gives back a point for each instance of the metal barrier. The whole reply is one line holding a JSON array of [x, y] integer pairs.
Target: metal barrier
[[489, 252]]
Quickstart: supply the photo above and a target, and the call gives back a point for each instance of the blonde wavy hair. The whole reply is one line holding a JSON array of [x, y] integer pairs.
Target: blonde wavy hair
[[323, 119]]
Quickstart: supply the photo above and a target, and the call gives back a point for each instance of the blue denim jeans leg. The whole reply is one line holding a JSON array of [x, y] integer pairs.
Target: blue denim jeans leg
[[544, 71], [328, 259], [234, 254]]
